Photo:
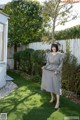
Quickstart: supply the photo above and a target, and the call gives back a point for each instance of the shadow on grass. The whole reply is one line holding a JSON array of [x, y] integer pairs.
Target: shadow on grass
[[39, 113], [47, 111], [28, 102]]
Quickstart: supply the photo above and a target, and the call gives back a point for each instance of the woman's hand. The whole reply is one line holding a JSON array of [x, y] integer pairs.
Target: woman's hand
[[42, 67], [55, 72]]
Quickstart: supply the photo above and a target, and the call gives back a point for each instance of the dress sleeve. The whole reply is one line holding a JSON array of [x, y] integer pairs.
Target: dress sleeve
[[59, 68]]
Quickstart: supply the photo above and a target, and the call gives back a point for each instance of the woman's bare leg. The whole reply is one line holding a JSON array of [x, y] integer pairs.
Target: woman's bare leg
[[58, 101], [52, 98]]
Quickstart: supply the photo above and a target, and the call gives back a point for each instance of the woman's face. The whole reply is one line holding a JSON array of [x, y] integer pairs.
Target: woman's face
[[53, 49]]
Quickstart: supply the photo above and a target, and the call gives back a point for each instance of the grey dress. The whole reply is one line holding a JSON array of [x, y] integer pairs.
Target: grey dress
[[52, 82]]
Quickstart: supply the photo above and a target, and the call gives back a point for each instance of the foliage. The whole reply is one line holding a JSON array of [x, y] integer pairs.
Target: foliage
[[30, 61], [38, 60], [68, 71], [25, 23], [58, 14], [71, 74], [68, 46], [23, 60], [36, 78], [70, 33], [77, 80]]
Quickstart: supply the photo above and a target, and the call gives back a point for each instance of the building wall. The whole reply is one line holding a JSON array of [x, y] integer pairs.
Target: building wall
[[2, 74], [1, 41], [3, 48], [2, 64]]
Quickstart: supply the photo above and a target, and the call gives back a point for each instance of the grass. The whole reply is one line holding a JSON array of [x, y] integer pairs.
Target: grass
[[28, 102]]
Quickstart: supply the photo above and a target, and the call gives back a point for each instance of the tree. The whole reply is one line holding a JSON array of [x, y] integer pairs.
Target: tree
[[58, 12], [25, 23]]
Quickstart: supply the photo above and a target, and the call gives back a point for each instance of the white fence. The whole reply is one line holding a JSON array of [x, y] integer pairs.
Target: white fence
[[74, 45]]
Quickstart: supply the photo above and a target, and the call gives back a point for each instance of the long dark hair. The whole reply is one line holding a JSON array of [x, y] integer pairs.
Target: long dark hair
[[54, 45]]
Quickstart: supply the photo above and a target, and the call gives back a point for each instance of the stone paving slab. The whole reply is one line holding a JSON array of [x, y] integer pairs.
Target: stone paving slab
[[7, 89], [9, 78]]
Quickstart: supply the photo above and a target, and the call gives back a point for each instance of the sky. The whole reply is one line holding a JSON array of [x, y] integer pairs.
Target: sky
[[72, 23]]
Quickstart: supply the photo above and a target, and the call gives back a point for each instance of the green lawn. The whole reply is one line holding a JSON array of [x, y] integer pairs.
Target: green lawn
[[28, 102]]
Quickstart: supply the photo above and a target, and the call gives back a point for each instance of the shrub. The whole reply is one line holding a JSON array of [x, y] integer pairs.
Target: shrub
[[36, 78], [30, 61], [76, 81], [23, 59], [38, 59], [71, 74]]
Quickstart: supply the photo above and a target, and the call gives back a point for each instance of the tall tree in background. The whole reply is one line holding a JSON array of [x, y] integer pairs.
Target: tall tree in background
[[25, 23], [58, 12]]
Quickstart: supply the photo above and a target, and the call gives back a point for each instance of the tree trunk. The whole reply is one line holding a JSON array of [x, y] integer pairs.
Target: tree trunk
[[53, 30], [15, 50], [54, 17]]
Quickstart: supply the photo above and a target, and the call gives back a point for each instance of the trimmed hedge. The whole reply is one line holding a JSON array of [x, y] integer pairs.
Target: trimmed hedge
[[70, 33]]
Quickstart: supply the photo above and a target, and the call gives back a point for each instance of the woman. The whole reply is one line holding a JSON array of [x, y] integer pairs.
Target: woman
[[51, 74]]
